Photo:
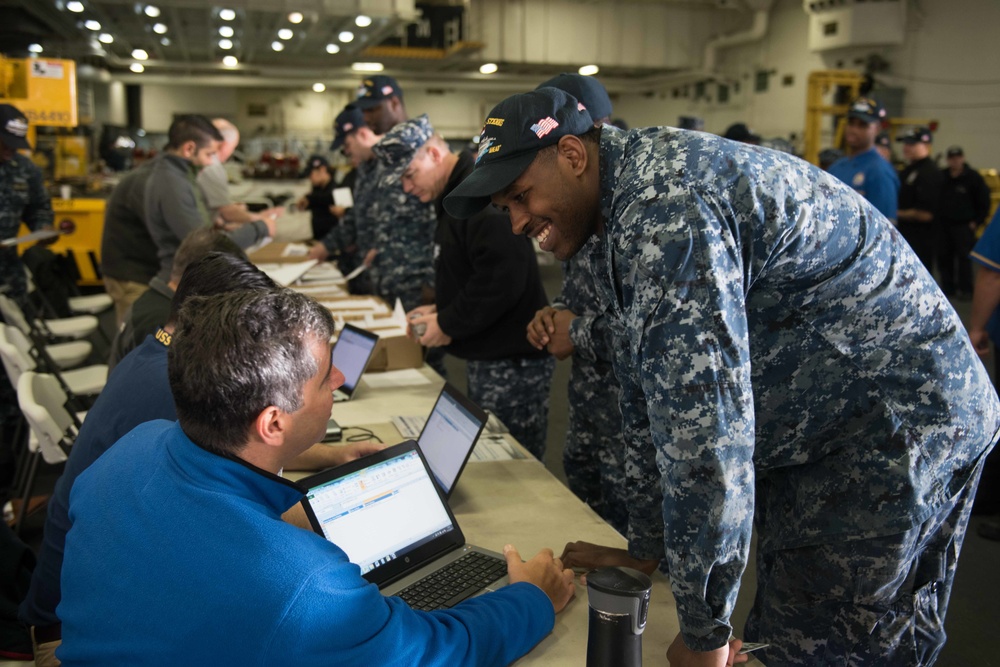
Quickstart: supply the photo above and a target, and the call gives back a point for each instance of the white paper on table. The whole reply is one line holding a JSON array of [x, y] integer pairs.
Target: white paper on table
[[287, 274], [343, 197], [408, 426], [333, 290], [295, 250], [408, 377], [493, 448]]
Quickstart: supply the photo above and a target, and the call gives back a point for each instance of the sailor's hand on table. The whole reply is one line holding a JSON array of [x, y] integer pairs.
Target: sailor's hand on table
[[355, 450], [679, 655], [588, 556], [319, 252], [544, 571]]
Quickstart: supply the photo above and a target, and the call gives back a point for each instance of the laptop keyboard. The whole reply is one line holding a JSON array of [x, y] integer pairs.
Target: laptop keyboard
[[455, 582]]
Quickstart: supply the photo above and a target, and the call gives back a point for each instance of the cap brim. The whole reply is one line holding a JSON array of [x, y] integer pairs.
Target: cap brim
[[366, 103], [337, 142], [15, 143], [863, 116], [473, 194]]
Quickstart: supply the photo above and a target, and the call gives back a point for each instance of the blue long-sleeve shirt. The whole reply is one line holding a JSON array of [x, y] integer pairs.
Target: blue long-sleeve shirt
[[872, 177]]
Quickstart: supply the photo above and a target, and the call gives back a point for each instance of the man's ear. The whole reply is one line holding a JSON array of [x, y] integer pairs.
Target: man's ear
[[188, 149], [271, 426], [572, 149]]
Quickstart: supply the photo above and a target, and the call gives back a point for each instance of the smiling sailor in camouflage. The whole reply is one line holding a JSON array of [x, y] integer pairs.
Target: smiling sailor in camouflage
[[785, 359]]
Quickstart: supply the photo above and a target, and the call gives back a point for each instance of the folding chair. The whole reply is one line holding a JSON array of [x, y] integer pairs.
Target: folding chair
[[81, 304], [77, 327], [53, 429], [20, 356]]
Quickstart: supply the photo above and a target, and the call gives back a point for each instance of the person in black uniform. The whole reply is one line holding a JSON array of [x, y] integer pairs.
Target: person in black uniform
[[319, 201], [965, 205], [920, 195], [487, 290]]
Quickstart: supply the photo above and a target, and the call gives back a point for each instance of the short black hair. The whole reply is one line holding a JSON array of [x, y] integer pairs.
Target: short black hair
[[199, 243], [235, 354], [217, 273], [192, 127]]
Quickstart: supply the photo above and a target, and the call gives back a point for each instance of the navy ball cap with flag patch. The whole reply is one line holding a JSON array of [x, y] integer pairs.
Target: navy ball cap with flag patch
[[586, 89], [347, 121], [515, 130]]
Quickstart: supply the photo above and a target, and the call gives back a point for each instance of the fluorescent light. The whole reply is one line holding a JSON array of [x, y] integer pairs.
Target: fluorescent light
[[295, 17], [367, 67], [105, 38], [152, 11], [227, 14], [230, 61], [91, 24], [277, 46], [226, 31], [318, 87], [225, 44], [332, 48], [160, 28], [139, 54], [35, 48], [75, 6], [165, 41], [285, 33], [137, 68], [363, 21], [488, 68], [589, 70], [346, 36]]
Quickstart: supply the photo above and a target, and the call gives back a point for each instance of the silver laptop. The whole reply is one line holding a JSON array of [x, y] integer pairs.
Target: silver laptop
[[449, 435], [351, 354], [391, 519]]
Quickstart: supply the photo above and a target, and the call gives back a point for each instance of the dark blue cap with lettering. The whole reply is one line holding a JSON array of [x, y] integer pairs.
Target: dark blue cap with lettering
[[514, 132], [868, 110], [586, 89], [373, 91], [347, 121], [917, 135]]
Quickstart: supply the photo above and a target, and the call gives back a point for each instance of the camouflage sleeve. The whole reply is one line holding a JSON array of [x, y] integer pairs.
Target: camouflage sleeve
[[343, 235], [591, 337], [688, 354], [38, 212]]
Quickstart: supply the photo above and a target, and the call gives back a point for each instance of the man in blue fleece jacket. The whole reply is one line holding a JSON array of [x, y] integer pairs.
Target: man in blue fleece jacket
[[177, 553]]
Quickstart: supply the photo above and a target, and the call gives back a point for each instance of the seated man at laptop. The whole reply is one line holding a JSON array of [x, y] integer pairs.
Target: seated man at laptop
[[177, 552]]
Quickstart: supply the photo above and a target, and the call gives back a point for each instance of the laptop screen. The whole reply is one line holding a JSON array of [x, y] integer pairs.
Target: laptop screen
[[350, 354], [450, 434], [382, 511]]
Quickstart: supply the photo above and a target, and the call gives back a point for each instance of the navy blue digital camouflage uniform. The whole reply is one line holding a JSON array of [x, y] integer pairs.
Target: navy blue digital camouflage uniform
[[402, 226], [22, 199], [355, 229], [786, 359], [594, 453]]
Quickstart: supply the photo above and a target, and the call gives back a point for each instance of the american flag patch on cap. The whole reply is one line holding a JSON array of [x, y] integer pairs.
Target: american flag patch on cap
[[544, 126]]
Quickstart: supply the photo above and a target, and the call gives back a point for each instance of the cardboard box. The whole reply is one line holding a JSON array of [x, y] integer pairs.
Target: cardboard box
[[275, 253], [395, 350]]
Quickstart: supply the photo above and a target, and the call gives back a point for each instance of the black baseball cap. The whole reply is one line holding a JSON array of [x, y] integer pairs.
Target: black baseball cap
[[515, 130], [882, 139], [347, 121], [314, 162], [372, 91], [867, 109], [740, 132], [585, 89], [13, 128], [955, 151], [917, 135]]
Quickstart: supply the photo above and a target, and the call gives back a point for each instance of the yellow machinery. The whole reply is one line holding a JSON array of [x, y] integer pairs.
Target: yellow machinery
[[44, 90]]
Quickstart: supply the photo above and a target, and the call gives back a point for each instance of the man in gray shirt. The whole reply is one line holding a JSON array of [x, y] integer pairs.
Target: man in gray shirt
[[175, 205]]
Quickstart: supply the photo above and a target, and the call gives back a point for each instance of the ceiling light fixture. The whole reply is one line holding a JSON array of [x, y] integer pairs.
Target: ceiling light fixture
[[75, 6], [139, 54], [295, 17], [346, 36], [226, 31], [105, 38], [165, 41], [367, 67], [332, 48], [230, 61], [285, 33], [363, 21], [277, 46], [589, 70], [488, 68], [35, 48], [319, 87], [91, 24], [160, 28], [137, 68], [152, 11], [225, 44], [227, 14]]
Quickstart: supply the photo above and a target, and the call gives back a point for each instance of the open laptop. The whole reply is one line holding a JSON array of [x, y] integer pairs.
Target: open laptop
[[391, 519], [351, 354], [449, 435]]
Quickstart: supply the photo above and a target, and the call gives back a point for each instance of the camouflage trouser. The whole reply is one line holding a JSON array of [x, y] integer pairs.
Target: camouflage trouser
[[879, 601], [517, 391], [594, 455]]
